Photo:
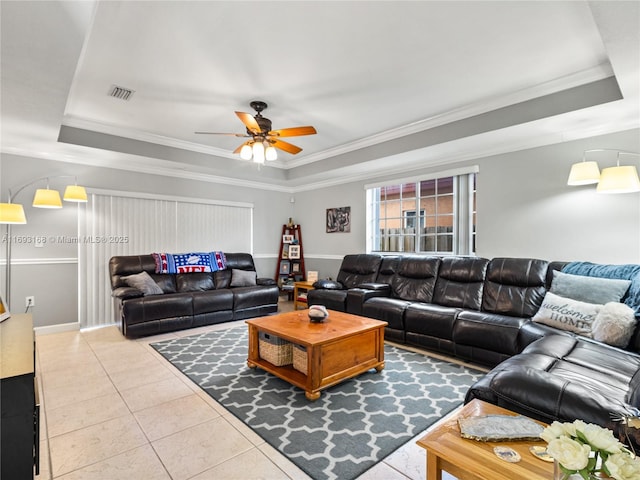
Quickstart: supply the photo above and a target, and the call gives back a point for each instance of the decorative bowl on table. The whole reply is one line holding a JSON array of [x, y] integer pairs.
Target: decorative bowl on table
[[317, 313]]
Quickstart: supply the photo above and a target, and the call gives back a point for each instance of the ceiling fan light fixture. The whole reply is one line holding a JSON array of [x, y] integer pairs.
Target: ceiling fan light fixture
[[258, 152], [271, 153], [246, 152]]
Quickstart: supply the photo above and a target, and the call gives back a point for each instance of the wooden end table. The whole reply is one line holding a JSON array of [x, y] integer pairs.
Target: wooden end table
[[341, 347], [473, 460], [297, 287]]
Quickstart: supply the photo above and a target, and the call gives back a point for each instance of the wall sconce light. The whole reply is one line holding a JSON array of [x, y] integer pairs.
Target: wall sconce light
[[618, 179], [13, 213]]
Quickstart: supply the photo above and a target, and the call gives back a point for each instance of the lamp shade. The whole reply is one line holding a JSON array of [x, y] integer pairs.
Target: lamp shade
[[258, 152], [45, 198], [584, 173], [246, 152], [12, 213], [75, 193], [270, 153], [619, 180]]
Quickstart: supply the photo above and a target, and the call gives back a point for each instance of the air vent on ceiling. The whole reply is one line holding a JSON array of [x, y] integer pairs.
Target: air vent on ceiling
[[120, 92]]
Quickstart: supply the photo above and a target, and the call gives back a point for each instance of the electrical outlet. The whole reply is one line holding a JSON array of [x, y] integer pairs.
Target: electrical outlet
[[30, 301]]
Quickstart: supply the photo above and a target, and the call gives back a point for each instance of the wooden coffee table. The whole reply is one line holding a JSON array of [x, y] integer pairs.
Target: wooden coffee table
[[342, 347], [472, 460]]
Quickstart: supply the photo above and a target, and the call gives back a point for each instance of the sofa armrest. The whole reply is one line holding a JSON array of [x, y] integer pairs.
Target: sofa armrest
[[377, 287], [265, 282], [328, 285], [357, 296], [126, 292]]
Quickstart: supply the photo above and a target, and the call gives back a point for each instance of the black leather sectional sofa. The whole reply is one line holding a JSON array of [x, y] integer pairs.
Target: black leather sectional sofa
[[480, 310], [188, 299]]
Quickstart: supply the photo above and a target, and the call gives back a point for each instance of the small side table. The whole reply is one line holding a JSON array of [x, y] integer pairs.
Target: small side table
[[298, 289]]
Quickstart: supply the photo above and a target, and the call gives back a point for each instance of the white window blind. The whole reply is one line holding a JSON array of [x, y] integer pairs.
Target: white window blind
[[111, 224]]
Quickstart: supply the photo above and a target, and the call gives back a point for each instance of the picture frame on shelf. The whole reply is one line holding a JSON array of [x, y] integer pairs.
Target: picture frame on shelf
[[295, 267], [294, 251], [284, 268], [312, 276], [287, 238]]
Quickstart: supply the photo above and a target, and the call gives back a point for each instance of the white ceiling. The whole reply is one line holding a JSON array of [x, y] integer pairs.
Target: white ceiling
[[363, 73]]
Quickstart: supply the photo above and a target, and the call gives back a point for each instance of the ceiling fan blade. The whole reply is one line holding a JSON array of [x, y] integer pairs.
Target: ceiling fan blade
[[282, 145], [249, 122], [293, 132], [218, 133], [237, 150]]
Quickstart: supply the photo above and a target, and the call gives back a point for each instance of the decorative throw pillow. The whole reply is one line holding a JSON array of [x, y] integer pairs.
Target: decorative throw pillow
[[589, 289], [242, 278], [614, 324], [567, 314], [143, 282]]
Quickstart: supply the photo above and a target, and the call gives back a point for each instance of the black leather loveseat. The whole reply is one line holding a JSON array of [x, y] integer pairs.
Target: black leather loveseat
[[188, 299], [481, 310]]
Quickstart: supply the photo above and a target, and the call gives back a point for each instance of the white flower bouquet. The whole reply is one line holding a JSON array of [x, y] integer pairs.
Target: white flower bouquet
[[590, 451]]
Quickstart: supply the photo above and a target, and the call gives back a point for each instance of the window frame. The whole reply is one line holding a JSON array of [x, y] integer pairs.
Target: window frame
[[463, 234]]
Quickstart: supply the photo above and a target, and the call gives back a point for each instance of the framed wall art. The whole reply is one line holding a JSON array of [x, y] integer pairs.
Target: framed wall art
[[339, 219], [294, 251], [284, 268], [287, 238]]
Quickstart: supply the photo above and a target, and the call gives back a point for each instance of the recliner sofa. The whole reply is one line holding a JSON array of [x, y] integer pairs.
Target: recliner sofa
[[480, 310], [188, 299]]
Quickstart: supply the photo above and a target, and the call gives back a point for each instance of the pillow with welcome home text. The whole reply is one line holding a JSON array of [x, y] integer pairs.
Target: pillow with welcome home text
[[567, 314]]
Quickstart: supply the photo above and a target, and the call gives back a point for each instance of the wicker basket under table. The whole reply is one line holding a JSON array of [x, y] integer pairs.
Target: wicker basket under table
[[275, 350]]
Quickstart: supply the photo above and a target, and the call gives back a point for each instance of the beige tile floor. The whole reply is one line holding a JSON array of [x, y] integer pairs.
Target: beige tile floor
[[113, 409]]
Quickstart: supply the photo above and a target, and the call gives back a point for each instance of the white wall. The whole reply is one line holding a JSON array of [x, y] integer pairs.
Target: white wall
[[525, 209]]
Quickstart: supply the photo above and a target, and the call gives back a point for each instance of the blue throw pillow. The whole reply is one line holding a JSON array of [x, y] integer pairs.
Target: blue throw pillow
[[589, 289]]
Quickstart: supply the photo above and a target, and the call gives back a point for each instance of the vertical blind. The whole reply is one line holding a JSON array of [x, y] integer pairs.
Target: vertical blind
[[110, 225]]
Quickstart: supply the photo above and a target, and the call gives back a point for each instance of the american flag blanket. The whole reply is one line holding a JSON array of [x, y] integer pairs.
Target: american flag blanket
[[189, 262]]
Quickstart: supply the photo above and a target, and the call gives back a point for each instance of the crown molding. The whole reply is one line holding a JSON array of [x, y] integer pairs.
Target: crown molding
[[161, 167], [583, 77]]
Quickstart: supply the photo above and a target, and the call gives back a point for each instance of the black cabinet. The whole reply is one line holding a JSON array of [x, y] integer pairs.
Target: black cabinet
[[19, 417]]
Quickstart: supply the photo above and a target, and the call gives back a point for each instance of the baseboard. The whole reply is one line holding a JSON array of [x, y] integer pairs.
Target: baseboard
[[61, 327]]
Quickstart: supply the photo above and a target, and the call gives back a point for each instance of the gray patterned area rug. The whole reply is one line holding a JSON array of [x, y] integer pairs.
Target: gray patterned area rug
[[350, 428]]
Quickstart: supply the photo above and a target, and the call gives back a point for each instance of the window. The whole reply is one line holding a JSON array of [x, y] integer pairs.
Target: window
[[430, 215], [410, 218]]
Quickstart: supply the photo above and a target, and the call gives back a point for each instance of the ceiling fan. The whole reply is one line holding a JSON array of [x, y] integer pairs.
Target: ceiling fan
[[264, 141]]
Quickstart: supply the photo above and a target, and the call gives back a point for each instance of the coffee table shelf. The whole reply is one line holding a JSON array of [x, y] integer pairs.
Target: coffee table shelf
[[342, 347]]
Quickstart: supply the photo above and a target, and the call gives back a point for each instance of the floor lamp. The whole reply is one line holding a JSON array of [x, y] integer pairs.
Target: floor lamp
[[13, 213]]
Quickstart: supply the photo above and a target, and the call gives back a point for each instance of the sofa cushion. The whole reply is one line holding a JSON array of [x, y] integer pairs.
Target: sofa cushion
[[165, 281], [250, 297], [460, 281], [514, 286], [415, 278], [358, 268], [242, 278], [430, 319], [212, 301], [332, 299], [567, 314], [143, 282], [488, 331], [589, 289], [194, 282], [157, 307]]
